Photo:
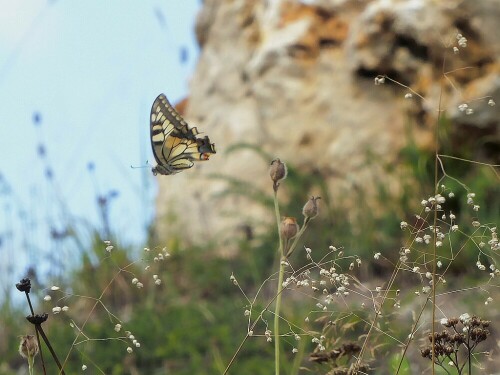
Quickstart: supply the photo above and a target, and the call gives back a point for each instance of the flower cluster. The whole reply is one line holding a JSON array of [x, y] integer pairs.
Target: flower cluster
[[462, 334]]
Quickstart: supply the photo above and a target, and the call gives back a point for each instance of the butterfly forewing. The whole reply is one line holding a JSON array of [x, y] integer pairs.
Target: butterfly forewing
[[175, 145]]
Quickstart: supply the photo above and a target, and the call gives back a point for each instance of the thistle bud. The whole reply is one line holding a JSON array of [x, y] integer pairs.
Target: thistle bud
[[278, 172], [289, 228], [28, 347], [310, 210]]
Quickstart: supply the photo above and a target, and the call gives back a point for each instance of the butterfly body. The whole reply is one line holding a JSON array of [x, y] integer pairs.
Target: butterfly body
[[175, 145]]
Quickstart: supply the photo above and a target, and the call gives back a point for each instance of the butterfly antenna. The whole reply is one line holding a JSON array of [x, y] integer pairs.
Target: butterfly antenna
[[142, 166]]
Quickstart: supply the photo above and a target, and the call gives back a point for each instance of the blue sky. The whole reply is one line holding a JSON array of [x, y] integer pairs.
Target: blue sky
[[90, 71]]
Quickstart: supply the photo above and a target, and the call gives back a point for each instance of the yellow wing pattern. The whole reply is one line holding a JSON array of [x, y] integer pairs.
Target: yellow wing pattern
[[175, 145]]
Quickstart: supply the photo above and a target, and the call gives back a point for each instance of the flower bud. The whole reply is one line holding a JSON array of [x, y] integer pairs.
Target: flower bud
[[278, 172], [310, 210], [289, 228], [28, 347]]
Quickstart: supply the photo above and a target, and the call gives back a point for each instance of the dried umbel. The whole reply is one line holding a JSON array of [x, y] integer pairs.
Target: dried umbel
[[28, 347], [278, 172], [310, 210]]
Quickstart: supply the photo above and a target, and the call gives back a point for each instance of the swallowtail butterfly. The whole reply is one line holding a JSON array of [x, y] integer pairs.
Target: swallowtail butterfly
[[175, 145]]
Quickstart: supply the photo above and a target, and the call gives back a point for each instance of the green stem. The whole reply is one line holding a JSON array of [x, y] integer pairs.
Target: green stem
[[277, 317], [280, 282], [31, 361], [278, 221]]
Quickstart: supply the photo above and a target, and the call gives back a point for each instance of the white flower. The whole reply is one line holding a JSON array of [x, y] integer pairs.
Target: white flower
[[464, 318], [130, 350], [56, 310], [54, 288], [65, 308], [295, 350], [408, 95], [109, 248], [135, 280], [118, 327], [84, 367], [158, 281], [491, 102], [443, 321], [139, 285], [47, 298], [377, 255]]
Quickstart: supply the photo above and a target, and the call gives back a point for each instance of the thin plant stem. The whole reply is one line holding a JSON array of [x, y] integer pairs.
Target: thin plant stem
[[277, 316], [280, 282]]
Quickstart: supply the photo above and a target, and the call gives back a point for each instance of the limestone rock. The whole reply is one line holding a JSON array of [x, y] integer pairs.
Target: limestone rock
[[296, 80]]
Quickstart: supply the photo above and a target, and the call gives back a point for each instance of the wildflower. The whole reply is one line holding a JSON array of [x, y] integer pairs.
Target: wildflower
[[109, 248], [491, 102], [408, 95], [129, 350], [376, 256], [233, 279], [118, 327], [65, 308], [135, 280], [278, 172], [47, 298], [84, 367], [310, 210], [455, 50], [289, 228], [28, 347], [54, 288], [403, 224], [379, 80], [464, 318], [56, 310]]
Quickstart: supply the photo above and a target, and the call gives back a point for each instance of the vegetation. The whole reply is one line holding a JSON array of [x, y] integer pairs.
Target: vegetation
[[319, 295]]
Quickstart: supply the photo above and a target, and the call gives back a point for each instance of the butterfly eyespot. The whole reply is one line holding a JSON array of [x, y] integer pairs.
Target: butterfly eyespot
[[175, 145]]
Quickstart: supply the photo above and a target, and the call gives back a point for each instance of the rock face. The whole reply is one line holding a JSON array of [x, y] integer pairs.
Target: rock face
[[296, 80]]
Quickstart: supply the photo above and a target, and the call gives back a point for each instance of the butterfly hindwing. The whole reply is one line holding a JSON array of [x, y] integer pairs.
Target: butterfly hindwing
[[175, 145]]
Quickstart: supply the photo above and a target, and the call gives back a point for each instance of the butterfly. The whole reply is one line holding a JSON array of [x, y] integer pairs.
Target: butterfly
[[175, 145]]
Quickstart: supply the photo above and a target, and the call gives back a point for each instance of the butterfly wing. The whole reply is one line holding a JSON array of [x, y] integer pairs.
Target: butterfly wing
[[175, 145]]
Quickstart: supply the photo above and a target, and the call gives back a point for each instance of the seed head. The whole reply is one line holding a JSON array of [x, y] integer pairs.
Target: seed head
[[289, 228], [278, 172], [310, 210], [28, 347]]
